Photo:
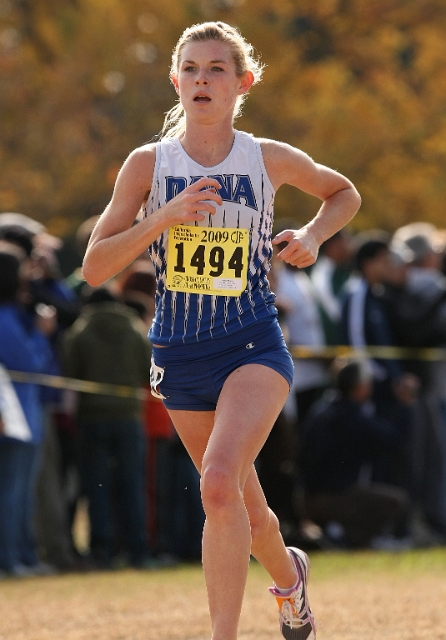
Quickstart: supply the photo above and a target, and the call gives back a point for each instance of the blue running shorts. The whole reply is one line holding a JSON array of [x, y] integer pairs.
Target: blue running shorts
[[190, 377]]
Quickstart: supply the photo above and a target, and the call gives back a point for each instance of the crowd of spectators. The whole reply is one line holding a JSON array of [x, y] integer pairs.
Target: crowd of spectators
[[356, 459], [112, 455], [384, 433]]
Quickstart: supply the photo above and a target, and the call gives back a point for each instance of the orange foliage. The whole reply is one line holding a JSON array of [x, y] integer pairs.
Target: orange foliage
[[358, 84]]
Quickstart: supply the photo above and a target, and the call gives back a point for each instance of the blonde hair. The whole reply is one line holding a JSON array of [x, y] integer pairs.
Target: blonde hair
[[242, 55]]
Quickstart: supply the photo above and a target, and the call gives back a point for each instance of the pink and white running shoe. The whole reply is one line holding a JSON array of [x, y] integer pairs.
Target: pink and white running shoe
[[295, 616]]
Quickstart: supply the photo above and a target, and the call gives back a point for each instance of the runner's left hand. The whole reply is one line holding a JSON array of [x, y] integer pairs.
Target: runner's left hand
[[302, 248]]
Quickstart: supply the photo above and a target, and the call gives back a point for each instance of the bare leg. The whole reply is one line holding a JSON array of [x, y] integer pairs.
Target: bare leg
[[268, 546], [231, 441]]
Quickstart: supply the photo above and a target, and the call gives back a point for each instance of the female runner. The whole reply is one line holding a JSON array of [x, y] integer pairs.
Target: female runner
[[219, 359]]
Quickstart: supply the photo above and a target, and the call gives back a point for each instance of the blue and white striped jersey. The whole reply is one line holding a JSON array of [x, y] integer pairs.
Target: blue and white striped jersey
[[248, 198]]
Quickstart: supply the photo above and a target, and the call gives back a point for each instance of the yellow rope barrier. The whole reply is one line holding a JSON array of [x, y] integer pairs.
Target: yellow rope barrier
[[297, 351], [84, 386], [383, 353]]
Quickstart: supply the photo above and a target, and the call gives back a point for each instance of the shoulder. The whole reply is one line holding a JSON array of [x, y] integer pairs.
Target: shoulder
[[286, 164], [135, 176], [274, 151], [142, 158], [282, 160]]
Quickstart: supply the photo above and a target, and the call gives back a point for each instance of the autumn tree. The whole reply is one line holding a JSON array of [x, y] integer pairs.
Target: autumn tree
[[358, 84]]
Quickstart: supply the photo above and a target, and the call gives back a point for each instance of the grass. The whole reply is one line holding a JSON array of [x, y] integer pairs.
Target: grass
[[360, 596], [330, 565]]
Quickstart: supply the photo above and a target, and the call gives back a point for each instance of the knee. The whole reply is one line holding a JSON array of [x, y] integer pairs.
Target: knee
[[219, 491]]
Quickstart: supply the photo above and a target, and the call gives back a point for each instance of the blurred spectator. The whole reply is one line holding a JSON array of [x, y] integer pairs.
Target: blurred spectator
[[343, 439], [24, 346], [302, 325], [58, 484], [417, 315], [174, 512], [46, 283], [42, 283], [137, 288], [416, 302], [277, 469], [365, 317], [300, 319], [40, 266], [20, 229], [419, 287], [108, 344], [137, 285], [417, 239], [139, 276], [187, 514], [366, 323], [331, 271], [159, 434], [277, 463]]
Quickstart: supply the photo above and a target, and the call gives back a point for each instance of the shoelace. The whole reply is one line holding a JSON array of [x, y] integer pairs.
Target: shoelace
[[295, 617]]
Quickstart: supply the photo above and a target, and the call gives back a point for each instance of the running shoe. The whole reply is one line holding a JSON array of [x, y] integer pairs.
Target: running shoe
[[295, 616]]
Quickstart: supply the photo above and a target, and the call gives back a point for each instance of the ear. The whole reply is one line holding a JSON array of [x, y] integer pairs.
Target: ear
[[174, 81], [246, 82]]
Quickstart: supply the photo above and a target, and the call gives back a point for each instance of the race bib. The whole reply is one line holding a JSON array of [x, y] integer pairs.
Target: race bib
[[208, 260]]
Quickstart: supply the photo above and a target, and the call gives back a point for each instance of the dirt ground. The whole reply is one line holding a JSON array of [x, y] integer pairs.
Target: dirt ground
[[358, 597]]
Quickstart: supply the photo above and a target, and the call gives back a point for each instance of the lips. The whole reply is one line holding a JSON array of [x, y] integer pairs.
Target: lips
[[202, 98]]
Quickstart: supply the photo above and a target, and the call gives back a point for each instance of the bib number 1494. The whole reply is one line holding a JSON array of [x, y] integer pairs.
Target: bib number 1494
[[207, 260]]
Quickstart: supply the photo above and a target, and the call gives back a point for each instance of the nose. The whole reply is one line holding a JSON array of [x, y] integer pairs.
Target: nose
[[201, 79]]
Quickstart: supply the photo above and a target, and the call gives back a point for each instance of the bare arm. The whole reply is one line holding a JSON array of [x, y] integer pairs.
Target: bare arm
[[340, 200], [115, 243]]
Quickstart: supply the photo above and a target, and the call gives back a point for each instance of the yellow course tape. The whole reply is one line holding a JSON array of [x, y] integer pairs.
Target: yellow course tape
[[299, 352], [383, 353], [85, 386]]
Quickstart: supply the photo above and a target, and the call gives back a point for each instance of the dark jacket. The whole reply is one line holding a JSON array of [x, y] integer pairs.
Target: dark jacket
[[374, 328], [107, 343], [340, 437]]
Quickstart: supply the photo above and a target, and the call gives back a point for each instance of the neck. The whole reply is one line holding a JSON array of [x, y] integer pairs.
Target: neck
[[208, 145]]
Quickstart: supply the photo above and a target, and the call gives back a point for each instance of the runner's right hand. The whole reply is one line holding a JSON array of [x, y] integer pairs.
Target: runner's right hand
[[192, 203]]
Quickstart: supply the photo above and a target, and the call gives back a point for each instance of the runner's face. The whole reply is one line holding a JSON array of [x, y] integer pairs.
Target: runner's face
[[207, 83]]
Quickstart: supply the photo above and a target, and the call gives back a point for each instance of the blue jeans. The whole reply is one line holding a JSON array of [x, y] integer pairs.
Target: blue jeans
[[112, 464], [19, 464]]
